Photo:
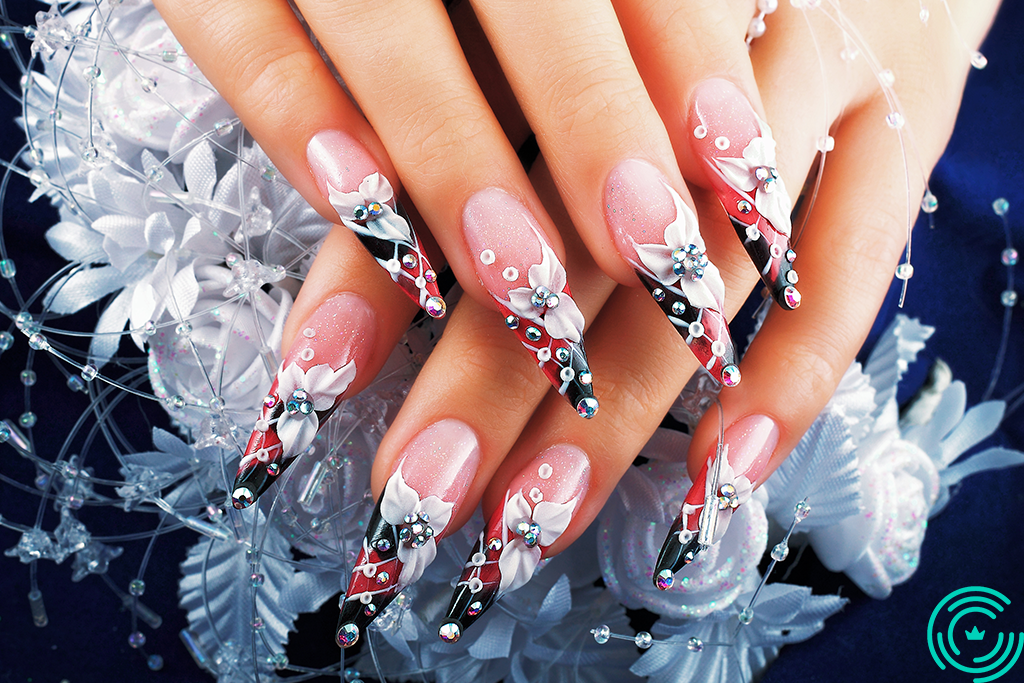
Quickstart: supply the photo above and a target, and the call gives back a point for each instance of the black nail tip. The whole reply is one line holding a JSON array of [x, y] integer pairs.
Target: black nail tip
[[674, 556], [579, 387], [781, 288]]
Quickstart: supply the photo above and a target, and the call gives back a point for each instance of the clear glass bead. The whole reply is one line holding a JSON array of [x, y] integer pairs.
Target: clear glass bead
[[175, 402], [1008, 298], [978, 60], [7, 268], [694, 644], [1009, 256], [256, 580], [924, 15], [137, 639], [780, 552], [184, 329], [38, 342], [887, 78], [746, 616], [929, 203], [895, 120], [1001, 206], [643, 640], [801, 510], [28, 378], [137, 587], [224, 127], [6, 340], [89, 373], [826, 143], [269, 173], [155, 662], [601, 634], [76, 383], [38, 177], [28, 419], [904, 271]]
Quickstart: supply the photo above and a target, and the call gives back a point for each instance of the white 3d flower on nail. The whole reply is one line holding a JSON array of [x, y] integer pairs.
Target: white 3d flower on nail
[[399, 500], [740, 493], [518, 560], [557, 311], [708, 291], [385, 224], [770, 196], [322, 385]]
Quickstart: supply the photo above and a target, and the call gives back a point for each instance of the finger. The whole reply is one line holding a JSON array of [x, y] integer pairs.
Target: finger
[[448, 450], [339, 334], [459, 168], [612, 161], [258, 57], [696, 66]]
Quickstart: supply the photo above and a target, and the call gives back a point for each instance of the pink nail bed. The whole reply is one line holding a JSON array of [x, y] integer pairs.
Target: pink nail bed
[[338, 159], [442, 460]]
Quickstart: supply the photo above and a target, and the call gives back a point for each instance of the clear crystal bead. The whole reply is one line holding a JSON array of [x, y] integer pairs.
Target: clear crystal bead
[[1008, 298], [694, 644], [929, 203], [601, 634], [746, 616], [1009, 256], [801, 510], [1001, 206], [780, 552], [643, 640], [978, 60]]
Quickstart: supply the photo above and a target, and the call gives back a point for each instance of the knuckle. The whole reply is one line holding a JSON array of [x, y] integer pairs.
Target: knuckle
[[271, 83]]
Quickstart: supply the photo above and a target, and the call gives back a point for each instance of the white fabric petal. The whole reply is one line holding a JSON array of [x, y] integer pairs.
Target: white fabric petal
[[517, 564], [707, 292], [566, 321], [414, 561], [376, 188], [81, 288], [297, 431], [399, 499], [658, 259], [517, 509], [76, 242], [737, 172], [324, 385], [553, 518]]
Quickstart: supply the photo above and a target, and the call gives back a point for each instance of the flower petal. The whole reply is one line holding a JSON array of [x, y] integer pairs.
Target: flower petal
[[516, 510], [553, 518], [776, 207], [658, 259], [519, 300], [399, 499], [414, 561], [738, 173], [324, 384], [707, 292], [517, 564], [565, 321], [376, 188], [440, 512], [297, 431]]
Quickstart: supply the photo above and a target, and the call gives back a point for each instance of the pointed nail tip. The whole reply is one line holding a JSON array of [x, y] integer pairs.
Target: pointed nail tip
[[588, 407], [450, 631], [790, 298], [664, 579]]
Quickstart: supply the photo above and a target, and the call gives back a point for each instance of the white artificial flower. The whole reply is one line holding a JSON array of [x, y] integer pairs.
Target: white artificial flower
[[399, 500], [518, 561], [564, 321], [374, 188], [726, 475], [709, 290], [775, 206], [322, 385]]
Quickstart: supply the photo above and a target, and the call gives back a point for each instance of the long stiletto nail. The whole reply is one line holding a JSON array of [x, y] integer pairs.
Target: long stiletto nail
[[412, 514], [722, 486], [520, 270], [739, 160], [657, 233], [366, 204], [538, 507], [321, 364]]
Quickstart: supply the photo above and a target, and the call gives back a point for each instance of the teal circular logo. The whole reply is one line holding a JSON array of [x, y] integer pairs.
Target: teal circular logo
[[945, 631]]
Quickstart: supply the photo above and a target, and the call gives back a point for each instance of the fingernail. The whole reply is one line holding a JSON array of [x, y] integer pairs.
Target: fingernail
[[716, 493], [520, 270], [419, 501], [324, 358], [366, 204], [657, 233], [739, 161], [537, 509]]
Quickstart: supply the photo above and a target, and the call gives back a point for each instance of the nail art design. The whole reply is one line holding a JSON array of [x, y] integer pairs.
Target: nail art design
[[412, 514], [373, 213], [739, 154], [538, 508], [310, 383], [724, 483], [658, 235], [528, 283]]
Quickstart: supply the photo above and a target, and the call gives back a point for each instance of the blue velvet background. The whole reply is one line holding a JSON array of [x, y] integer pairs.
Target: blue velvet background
[[977, 540]]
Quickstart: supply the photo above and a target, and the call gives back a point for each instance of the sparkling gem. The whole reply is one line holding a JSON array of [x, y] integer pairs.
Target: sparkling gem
[[601, 634], [430, 276], [256, 580], [895, 120], [374, 209], [1009, 256], [727, 497], [474, 608], [780, 552], [360, 213], [678, 308], [137, 639], [269, 402], [155, 662], [790, 255], [743, 206], [7, 268], [435, 307], [269, 173], [38, 177], [801, 510], [175, 402], [5, 432], [38, 342], [730, 375], [552, 301], [409, 261], [6, 340], [279, 660], [370, 609], [149, 329], [904, 271], [533, 334], [382, 578], [643, 640], [929, 203], [746, 616], [137, 587], [665, 579], [89, 373], [978, 60], [28, 377], [588, 406], [694, 644], [449, 632], [586, 378], [522, 528], [347, 635], [1008, 298], [539, 297], [274, 469], [792, 296], [1001, 206], [91, 73], [494, 544], [562, 354], [658, 293], [27, 419], [382, 545], [241, 498], [183, 329], [512, 322]]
